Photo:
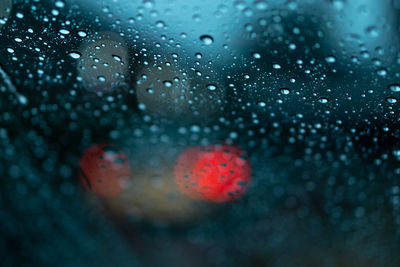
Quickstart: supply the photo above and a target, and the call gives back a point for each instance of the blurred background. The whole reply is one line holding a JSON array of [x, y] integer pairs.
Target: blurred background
[[199, 133]]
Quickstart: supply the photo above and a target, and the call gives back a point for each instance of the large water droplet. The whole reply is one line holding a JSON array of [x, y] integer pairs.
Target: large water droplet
[[284, 91], [323, 100], [381, 72], [101, 78], [372, 31], [117, 58], [261, 104], [167, 83], [60, 4], [261, 5], [160, 24], [207, 39], [276, 66], [256, 55], [22, 99], [330, 59], [391, 100], [394, 87], [82, 34], [211, 87], [75, 55], [64, 31]]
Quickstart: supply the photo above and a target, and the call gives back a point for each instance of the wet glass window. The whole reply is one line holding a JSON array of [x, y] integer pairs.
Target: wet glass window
[[200, 133]]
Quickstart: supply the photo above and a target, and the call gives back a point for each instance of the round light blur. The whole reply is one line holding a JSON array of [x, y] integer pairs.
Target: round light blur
[[165, 89], [104, 63]]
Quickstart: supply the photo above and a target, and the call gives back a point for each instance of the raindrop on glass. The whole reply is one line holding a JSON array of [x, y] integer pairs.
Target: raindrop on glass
[[391, 100], [256, 55], [323, 100], [207, 39], [261, 104], [211, 87], [330, 59], [75, 55], [167, 83], [394, 87], [284, 91], [276, 66]]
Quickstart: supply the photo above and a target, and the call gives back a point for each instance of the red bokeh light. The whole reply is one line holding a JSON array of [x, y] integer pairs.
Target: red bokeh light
[[216, 173], [104, 169]]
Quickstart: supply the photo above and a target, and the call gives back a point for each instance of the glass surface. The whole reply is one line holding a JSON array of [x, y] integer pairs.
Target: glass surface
[[199, 133]]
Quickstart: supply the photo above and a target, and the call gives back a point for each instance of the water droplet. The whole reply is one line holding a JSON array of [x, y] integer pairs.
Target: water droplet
[[160, 24], [247, 12], [296, 30], [82, 34], [240, 5], [64, 31], [148, 3], [381, 72], [372, 31], [142, 106], [292, 46], [284, 91], [261, 5], [75, 55], [207, 39], [256, 55], [117, 58], [261, 104], [60, 4], [101, 78], [22, 99], [276, 66], [391, 100], [167, 83], [330, 59], [394, 87], [211, 87], [323, 100]]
